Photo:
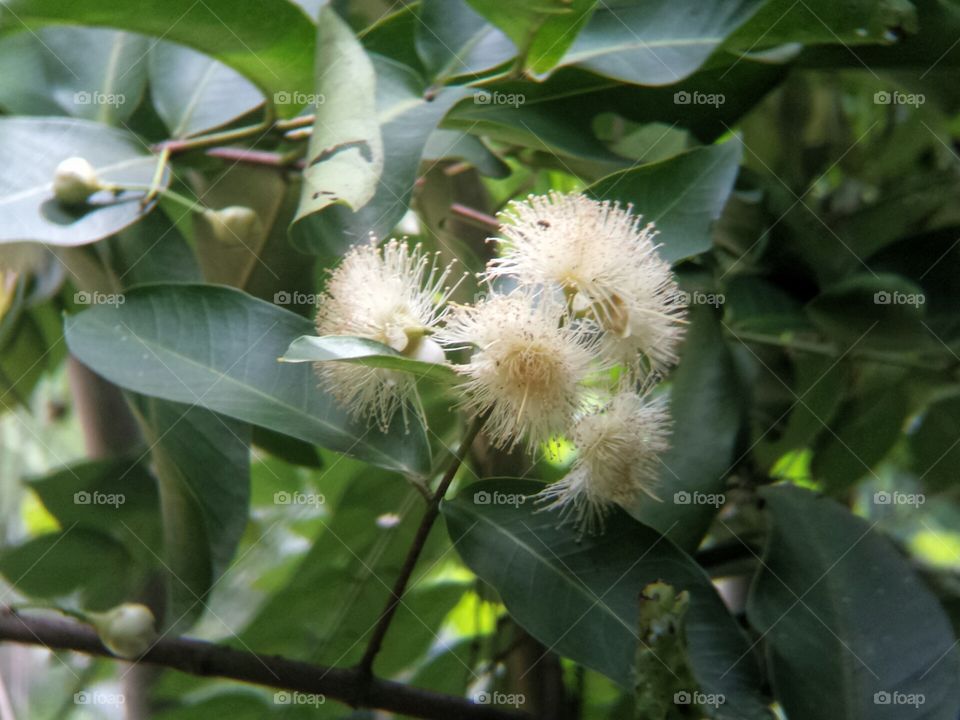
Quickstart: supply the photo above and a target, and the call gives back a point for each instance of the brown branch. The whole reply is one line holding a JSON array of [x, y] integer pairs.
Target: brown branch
[[365, 667], [198, 657], [476, 217]]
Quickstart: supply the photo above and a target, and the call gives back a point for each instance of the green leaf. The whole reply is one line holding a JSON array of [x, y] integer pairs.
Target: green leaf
[[407, 114], [579, 596], [934, 446], [453, 40], [193, 93], [117, 496], [90, 73], [682, 195], [345, 158], [218, 347], [271, 42], [202, 462], [856, 22], [878, 310], [707, 407], [76, 560], [362, 351], [33, 147], [657, 42], [844, 618], [541, 29]]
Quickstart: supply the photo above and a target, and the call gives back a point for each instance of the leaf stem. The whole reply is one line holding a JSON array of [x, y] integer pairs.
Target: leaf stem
[[365, 666]]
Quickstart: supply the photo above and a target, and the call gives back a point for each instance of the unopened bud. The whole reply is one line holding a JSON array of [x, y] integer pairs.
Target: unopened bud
[[234, 224], [426, 350], [74, 181], [127, 630]]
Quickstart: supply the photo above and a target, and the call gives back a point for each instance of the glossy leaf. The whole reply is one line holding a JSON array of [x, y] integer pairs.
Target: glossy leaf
[[579, 597], [193, 93], [33, 147], [850, 630], [656, 42], [332, 348], [683, 195], [453, 40], [218, 348], [270, 42]]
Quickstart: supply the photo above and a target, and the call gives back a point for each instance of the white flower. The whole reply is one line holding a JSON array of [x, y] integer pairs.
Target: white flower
[[528, 366], [619, 447], [607, 264], [395, 296]]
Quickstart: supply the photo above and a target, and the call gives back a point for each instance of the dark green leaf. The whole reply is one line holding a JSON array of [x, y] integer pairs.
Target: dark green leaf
[[217, 347], [579, 597], [682, 195], [846, 622]]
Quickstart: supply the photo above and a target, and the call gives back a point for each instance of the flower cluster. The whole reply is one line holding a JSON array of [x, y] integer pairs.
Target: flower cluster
[[590, 313]]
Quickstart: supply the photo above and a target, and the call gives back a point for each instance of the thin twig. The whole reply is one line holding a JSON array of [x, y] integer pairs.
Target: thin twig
[[416, 548]]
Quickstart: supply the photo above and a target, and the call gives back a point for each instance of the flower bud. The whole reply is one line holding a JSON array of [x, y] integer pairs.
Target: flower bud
[[234, 224], [74, 181], [425, 350], [127, 630]]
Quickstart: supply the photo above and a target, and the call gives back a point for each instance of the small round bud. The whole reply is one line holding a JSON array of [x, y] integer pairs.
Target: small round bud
[[426, 350], [74, 181], [234, 224], [127, 630]]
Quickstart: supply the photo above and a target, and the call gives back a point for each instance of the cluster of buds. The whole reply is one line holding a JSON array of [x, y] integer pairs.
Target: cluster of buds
[[589, 299]]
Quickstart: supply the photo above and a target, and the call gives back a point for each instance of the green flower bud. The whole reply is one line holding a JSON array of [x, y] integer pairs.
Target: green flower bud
[[127, 630], [74, 181], [234, 224]]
